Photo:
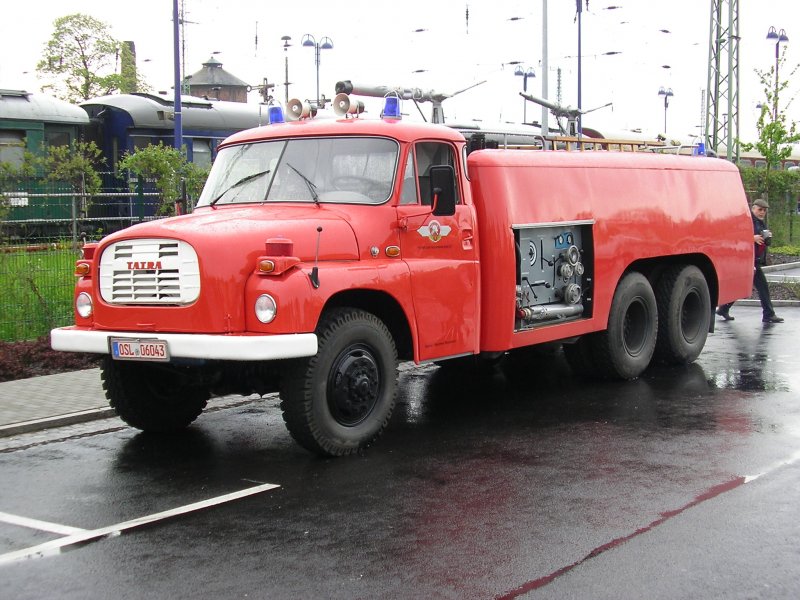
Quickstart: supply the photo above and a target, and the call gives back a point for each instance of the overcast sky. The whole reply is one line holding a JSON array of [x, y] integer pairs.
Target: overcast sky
[[433, 45]]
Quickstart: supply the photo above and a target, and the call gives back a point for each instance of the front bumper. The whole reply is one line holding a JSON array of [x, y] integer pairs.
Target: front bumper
[[187, 345]]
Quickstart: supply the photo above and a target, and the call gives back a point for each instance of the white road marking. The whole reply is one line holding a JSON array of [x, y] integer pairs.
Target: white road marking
[[37, 524], [81, 537], [773, 467]]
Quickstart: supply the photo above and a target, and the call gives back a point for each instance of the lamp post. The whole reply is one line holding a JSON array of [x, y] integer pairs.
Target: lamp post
[[524, 73], [667, 93], [778, 36], [285, 39], [324, 44]]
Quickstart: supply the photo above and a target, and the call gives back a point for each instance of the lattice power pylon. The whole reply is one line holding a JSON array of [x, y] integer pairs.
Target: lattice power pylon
[[722, 94]]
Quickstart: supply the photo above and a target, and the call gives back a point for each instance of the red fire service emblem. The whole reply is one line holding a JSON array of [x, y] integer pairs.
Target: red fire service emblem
[[434, 231]]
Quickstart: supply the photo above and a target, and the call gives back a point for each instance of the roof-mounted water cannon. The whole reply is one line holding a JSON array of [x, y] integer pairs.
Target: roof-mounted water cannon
[[563, 112], [416, 95], [344, 106]]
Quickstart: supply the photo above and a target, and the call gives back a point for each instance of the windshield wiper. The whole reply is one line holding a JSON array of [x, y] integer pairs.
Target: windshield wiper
[[242, 181], [311, 186]]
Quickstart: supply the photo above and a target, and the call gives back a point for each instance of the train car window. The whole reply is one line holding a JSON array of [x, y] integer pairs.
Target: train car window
[[142, 141], [12, 147], [56, 138], [762, 164], [115, 153], [201, 153]]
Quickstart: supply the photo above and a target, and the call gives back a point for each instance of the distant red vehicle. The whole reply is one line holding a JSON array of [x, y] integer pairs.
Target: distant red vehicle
[[322, 252]]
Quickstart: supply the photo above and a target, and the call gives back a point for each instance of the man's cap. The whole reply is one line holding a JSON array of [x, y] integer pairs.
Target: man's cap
[[761, 202]]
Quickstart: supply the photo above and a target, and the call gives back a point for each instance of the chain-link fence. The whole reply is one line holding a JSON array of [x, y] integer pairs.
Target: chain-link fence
[[42, 227]]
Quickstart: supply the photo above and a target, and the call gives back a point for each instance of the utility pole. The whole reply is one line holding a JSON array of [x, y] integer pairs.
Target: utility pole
[[178, 131], [722, 92], [545, 73], [285, 39]]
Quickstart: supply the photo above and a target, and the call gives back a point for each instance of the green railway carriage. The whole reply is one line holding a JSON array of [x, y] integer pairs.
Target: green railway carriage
[[32, 122]]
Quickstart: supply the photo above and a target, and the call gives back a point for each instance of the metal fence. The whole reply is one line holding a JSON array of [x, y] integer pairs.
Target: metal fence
[[42, 227]]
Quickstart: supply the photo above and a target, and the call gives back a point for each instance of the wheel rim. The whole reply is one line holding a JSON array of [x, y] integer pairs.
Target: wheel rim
[[692, 316], [354, 385], [635, 329]]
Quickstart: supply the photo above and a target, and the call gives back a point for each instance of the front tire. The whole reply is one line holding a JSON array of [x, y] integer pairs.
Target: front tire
[[624, 350], [153, 397], [340, 400], [684, 310]]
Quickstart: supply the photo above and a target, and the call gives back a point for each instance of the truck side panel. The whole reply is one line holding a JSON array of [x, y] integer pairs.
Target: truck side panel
[[634, 206]]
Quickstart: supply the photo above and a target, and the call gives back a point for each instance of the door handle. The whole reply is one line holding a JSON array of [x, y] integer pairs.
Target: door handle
[[466, 238]]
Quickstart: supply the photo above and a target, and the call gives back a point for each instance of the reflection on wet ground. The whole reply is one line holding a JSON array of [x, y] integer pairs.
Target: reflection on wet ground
[[739, 359]]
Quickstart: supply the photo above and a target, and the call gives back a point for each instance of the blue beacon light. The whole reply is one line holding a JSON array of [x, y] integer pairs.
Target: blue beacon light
[[391, 108], [275, 115]]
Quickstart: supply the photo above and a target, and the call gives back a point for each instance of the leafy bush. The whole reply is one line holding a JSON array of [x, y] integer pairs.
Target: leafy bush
[[169, 168]]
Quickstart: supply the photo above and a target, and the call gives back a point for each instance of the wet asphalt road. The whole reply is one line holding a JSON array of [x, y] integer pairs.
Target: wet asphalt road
[[527, 482]]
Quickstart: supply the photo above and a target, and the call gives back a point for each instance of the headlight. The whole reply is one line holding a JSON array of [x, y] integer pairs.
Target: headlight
[[83, 305], [265, 308]]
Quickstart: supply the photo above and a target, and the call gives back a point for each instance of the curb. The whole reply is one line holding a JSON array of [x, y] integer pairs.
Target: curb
[[781, 267], [95, 414], [754, 302], [57, 421]]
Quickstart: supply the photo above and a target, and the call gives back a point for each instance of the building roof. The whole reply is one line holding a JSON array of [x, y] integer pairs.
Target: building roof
[[212, 73]]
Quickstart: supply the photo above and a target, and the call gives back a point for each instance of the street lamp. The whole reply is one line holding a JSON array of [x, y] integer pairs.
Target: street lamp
[[667, 93], [778, 36], [524, 73], [324, 44], [285, 39]]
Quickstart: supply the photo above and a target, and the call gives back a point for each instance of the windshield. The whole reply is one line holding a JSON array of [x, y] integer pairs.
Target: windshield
[[333, 169]]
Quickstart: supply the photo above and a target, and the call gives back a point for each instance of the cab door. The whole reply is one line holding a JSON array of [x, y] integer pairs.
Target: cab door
[[442, 258]]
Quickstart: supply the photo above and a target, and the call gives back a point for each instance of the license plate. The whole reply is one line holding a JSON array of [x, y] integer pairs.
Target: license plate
[[139, 349]]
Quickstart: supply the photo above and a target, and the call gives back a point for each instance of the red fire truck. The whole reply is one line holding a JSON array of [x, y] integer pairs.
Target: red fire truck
[[323, 252]]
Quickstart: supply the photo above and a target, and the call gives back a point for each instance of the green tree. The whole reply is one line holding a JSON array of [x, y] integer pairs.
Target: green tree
[[76, 164], [775, 134], [80, 61], [129, 80], [169, 169]]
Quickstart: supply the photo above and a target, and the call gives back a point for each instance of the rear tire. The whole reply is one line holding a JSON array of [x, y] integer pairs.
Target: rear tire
[[624, 350], [340, 400], [153, 397], [684, 314]]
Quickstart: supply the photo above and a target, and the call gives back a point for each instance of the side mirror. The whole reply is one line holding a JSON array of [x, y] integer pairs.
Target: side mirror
[[443, 190]]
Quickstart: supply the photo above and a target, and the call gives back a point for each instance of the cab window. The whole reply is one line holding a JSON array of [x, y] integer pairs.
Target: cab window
[[408, 195], [430, 154]]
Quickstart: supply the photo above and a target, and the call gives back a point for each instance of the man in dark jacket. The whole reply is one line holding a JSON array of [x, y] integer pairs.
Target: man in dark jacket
[[761, 238]]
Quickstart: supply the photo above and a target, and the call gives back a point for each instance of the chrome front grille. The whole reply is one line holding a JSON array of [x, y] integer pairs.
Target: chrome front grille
[[149, 271]]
